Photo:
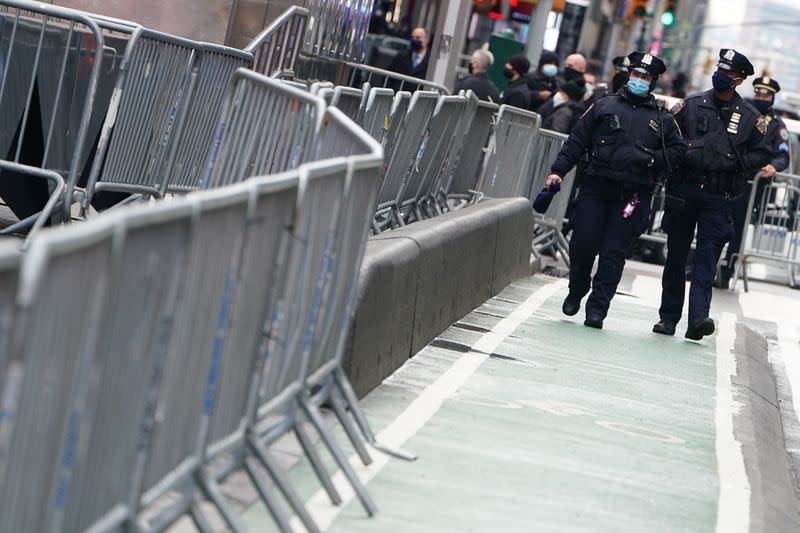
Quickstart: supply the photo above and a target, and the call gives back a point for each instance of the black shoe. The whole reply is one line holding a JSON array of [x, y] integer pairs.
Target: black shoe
[[700, 328], [593, 321], [571, 306], [664, 327]]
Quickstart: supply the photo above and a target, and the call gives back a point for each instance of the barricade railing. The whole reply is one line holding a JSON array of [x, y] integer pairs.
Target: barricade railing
[[348, 100], [511, 156], [414, 199], [266, 127], [377, 111], [404, 156], [465, 178], [158, 129], [772, 227], [51, 57], [276, 48], [338, 29]]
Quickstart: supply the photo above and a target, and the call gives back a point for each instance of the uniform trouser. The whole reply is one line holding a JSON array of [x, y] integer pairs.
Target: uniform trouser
[[600, 228], [712, 215]]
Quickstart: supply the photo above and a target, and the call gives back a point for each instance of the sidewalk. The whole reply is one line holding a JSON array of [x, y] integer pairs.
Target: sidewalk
[[525, 420]]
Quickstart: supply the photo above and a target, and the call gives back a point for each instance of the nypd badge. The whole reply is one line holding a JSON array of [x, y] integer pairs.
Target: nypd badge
[[730, 54], [761, 125], [647, 59]]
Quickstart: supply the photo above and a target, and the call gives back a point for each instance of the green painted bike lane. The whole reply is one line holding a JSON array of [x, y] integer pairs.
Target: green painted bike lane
[[564, 428]]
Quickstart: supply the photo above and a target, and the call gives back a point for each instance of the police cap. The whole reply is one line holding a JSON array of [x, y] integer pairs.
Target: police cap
[[766, 85], [730, 59], [621, 63], [646, 64]]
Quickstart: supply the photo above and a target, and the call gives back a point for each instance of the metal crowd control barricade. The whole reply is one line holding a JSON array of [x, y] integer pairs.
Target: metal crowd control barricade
[[265, 127], [404, 156], [276, 48], [377, 110], [191, 368], [507, 171], [326, 379], [9, 280], [337, 29], [49, 367], [50, 58], [465, 178], [772, 227], [414, 200], [548, 225], [158, 129], [348, 100]]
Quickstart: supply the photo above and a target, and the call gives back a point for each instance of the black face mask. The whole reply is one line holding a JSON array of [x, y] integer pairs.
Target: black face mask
[[619, 80], [416, 46], [469, 68], [572, 74], [508, 72], [763, 106]]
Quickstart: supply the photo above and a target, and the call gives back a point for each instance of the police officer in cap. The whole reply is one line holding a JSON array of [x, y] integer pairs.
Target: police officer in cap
[[630, 142], [778, 139], [726, 146], [620, 77]]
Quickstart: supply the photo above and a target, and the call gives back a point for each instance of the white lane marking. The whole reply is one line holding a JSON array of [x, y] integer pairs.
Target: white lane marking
[[789, 353], [733, 509], [422, 409]]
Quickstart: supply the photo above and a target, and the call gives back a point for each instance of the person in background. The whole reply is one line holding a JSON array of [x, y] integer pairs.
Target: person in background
[[777, 137], [565, 103], [574, 68], [414, 62], [542, 83], [620, 77], [478, 82], [517, 93], [679, 83]]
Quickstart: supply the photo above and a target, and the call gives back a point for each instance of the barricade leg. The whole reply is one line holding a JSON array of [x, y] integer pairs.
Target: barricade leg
[[267, 497], [283, 485], [200, 521], [327, 438], [350, 429], [211, 491], [317, 464], [344, 386]]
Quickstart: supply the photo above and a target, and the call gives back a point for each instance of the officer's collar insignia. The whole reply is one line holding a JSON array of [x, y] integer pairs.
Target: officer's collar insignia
[[761, 125], [679, 105], [647, 59], [730, 54]]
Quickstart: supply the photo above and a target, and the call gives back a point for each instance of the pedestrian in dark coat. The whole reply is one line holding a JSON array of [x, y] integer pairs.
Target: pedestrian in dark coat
[[478, 82], [517, 93]]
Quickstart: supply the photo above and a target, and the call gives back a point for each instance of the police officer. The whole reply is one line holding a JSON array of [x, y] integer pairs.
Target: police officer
[[778, 139], [726, 146], [630, 141], [620, 78]]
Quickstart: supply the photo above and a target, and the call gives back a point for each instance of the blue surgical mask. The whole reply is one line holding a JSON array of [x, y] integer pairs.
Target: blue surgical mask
[[721, 82], [638, 87], [549, 70], [762, 105]]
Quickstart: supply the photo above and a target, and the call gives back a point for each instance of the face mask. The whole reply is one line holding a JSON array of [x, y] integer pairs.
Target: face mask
[[762, 105], [721, 82], [571, 73], [469, 68], [416, 46], [508, 73], [549, 70], [558, 99], [589, 88], [638, 87]]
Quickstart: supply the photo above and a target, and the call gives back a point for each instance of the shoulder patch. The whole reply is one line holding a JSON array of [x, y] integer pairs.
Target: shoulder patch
[[678, 107], [784, 134], [761, 124], [587, 111]]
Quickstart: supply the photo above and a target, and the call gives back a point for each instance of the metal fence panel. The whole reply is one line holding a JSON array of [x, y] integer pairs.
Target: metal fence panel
[[772, 227], [276, 48], [49, 368], [348, 99], [191, 369], [9, 279], [265, 127], [377, 111], [145, 271], [465, 177]]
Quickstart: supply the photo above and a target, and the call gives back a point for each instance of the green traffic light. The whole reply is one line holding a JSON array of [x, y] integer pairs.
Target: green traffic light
[[667, 18]]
